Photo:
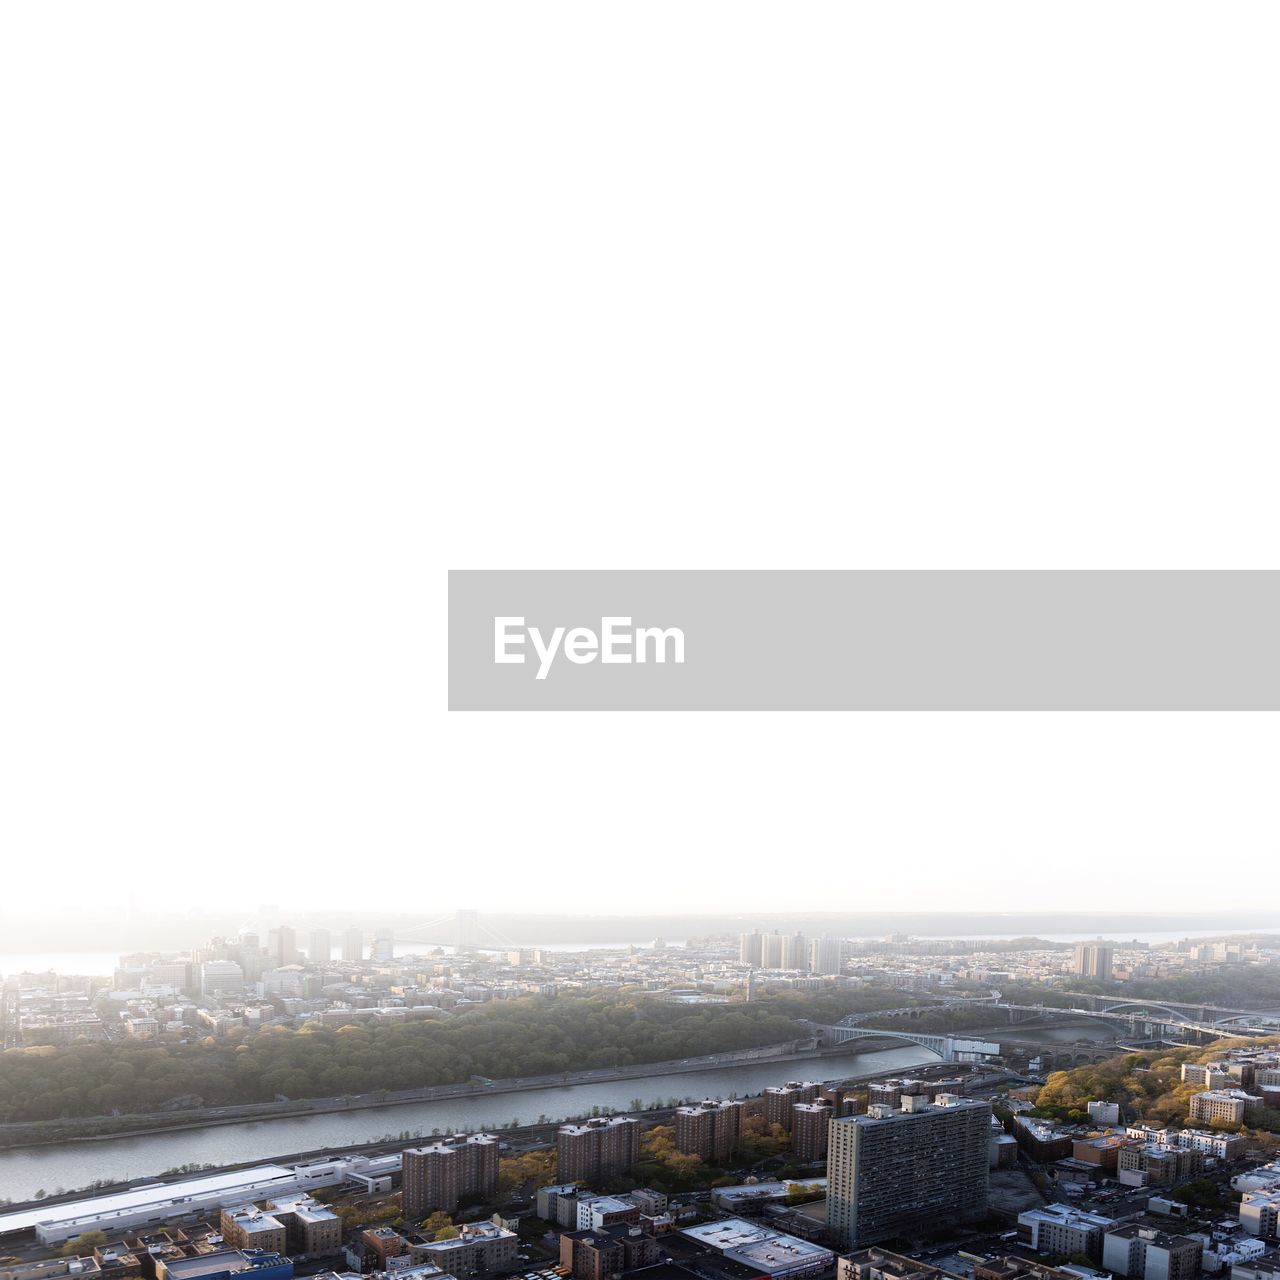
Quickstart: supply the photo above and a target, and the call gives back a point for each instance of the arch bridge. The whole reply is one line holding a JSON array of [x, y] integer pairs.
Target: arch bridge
[[948, 1048]]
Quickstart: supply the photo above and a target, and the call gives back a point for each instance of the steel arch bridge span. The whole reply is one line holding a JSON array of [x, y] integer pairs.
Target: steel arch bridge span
[[948, 1048], [1128, 1008]]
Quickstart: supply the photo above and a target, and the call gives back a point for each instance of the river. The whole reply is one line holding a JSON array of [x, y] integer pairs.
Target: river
[[71, 1165]]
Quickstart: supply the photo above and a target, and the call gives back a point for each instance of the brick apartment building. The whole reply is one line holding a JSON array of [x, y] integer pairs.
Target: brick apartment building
[[598, 1150], [437, 1177]]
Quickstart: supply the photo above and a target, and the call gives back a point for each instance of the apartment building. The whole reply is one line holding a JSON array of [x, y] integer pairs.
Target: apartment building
[[1062, 1229], [1221, 1146], [381, 1244], [480, 1247], [1102, 1153], [247, 1227], [438, 1176], [596, 1212], [312, 1229], [1147, 1253], [824, 956], [1014, 1268], [710, 1130], [1260, 1213], [1252, 1269], [882, 1264], [1041, 1140], [1094, 960], [558, 1203], [844, 1102], [1224, 1106], [811, 1122], [1147, 1164], [598, 1150], [779, 1099], [1208, 1075], [891, 1171], [598, 1255]]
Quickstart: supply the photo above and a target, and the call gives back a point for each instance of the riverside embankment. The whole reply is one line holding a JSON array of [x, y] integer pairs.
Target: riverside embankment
[[232, 1140]]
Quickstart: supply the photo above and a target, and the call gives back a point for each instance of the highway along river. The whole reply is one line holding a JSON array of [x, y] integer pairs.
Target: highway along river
[[72, 1165]]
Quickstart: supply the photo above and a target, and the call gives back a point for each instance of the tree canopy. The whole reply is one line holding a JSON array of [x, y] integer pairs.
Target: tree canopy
[[529, 1036]]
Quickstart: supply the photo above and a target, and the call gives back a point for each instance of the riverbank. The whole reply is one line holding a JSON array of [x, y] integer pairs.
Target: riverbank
[[55, 1168], [38, 1133], [518, 1139]]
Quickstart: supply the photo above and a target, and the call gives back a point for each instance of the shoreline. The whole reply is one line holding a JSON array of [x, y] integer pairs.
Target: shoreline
[[27, 1133], [528, 1137]]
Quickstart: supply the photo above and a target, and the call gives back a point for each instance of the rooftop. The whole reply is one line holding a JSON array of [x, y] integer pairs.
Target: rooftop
[[228, 1260], [755, 1246], [249, 1180], [1065, 1214]]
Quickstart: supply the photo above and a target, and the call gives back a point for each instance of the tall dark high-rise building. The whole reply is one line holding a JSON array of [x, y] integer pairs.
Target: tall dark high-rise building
[[891, 1173], [352, 945]]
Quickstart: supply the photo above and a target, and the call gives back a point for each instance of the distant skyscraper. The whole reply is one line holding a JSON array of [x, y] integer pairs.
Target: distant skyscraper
[[384, 946], [1093, 960], [824, 955], [750, 948], [893, 1173], [353, 945], [771, 950], [795, 952], [251, 959], [319, 946], [282, 943]]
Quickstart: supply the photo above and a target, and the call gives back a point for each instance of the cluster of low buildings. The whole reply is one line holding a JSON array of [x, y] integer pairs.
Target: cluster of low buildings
[[1242, 1088], [1078, 1156], [1145, 1247], [1239, 1089]]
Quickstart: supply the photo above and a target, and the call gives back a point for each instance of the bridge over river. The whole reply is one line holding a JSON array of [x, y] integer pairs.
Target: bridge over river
[[1138, 1024]]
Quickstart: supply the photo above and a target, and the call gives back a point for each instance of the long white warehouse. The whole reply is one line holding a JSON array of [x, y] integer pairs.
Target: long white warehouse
[[150, 1204]]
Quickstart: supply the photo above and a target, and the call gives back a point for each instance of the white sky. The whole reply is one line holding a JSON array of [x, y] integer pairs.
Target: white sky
[[305, 304]]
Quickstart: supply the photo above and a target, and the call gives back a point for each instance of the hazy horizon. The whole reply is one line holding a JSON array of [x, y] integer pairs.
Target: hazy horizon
[[142, 930]]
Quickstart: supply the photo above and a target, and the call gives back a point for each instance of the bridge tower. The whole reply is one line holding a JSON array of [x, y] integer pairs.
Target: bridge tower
[[466, 929]]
